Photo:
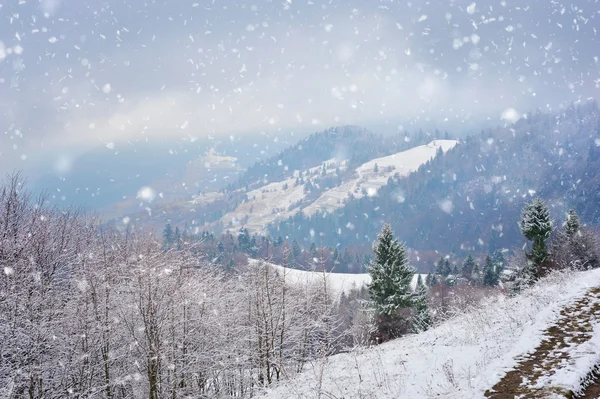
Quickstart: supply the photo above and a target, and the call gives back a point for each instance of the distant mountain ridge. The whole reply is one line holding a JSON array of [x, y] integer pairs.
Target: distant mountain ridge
[[470, 199], [458, 199]]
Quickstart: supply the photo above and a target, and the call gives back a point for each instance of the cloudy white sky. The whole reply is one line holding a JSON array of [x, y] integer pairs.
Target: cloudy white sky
[[78, 74]]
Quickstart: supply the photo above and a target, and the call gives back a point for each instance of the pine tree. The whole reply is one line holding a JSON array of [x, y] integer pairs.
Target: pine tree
[[536, 226], [490, 278], [468, 267], [391, 276], [422, 317]]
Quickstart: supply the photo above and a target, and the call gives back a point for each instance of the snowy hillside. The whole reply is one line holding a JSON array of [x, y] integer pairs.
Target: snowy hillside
[[372, 175], [466, 356], [279, 200]]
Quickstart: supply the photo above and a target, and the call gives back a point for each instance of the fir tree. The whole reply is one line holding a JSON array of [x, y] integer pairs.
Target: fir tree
[[476, 275], [391, 276], [572, 224], [468, 267], [443, 267], [575, 247], [177, 238], [536, 226], [168, 236], [499, 262], [422, 317], [490, 278]]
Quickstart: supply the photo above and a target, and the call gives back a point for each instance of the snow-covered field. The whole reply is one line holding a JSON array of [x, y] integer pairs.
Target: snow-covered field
[[461, 358], [279, 200], [337, 282]]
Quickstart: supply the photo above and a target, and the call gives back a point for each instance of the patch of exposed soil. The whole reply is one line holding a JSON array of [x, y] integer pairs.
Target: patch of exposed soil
[[573, 328]]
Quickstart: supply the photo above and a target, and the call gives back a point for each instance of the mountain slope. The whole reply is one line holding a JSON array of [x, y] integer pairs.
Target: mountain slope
[[324, 188], [461, 358], [470, 199]]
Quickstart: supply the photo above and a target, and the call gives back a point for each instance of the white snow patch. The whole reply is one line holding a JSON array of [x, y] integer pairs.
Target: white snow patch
[[337, 282]]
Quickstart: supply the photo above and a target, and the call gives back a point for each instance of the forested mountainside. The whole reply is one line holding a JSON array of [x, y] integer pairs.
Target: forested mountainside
[[349, 144], [468, 199], [352, 143]]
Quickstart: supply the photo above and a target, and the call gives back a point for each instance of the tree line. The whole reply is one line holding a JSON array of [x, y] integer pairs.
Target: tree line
[[92, 311]]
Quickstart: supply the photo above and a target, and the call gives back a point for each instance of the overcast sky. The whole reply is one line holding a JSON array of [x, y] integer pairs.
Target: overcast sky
[[78, 74]]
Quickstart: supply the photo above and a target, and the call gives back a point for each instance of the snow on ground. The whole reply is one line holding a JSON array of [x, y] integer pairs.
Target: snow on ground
[[338, 282], [274, 201], [461, 358], [369, 179], [207, 198], [266, 204]]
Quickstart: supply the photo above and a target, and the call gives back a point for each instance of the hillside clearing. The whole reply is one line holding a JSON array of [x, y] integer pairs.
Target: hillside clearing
[[337, 282]]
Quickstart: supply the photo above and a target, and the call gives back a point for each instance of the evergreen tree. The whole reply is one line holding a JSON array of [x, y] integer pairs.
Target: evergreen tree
[[296, 250], [499, 262], [390, 289], [476, 275], [177, 238], [575, 247], [168, 236], [536, 226], [430, 280], [422, 317], [468, 267], [572, 224], [443, 267], [490, 278]]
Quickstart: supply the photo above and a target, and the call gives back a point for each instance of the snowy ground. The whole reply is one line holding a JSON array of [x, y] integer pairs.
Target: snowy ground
[[462, 358], [338, 282]]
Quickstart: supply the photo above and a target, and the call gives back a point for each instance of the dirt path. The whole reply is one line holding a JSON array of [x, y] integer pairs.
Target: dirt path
[[574, 327]]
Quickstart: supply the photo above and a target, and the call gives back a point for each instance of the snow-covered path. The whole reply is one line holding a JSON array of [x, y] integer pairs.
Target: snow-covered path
[[560, 364], [463, 357]]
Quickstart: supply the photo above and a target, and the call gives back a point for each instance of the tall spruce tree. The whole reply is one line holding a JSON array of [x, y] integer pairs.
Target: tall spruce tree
[[536, 226], [390, 288]]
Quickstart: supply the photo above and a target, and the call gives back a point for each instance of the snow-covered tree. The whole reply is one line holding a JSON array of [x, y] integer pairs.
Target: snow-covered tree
[[499, 264], [421, 317], [391, 275], [443, 267], [575, 247], [536, 226], [572, 225]]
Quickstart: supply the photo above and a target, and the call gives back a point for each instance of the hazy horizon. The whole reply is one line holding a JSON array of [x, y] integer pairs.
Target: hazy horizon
[[82, 75]]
